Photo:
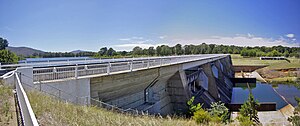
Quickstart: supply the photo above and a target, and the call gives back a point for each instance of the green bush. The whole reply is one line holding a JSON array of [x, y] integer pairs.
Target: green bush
[[219, 110], [202, 117], [295, 119], [8, 57], [245, 121], [249, 110], [192, 107]]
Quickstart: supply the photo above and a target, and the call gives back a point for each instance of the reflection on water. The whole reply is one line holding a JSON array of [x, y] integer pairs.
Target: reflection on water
[[262, 93], [289, 92]]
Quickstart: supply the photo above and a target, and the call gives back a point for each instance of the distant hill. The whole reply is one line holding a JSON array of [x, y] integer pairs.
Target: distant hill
[[25, 51], [77, 51]]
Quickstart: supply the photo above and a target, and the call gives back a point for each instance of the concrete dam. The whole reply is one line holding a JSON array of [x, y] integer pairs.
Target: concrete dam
[[153, 84]]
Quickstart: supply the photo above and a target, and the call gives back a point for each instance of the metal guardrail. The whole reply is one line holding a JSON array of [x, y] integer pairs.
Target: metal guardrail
[[27, 115], [106, 68]]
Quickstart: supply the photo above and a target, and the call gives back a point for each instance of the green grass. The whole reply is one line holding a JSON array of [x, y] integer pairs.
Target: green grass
[[271, 73], [273, 64], [50, 111]]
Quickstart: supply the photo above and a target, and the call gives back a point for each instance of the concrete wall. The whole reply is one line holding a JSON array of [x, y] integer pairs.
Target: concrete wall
[[167, 91], [161, 90], [75, 91], [124, 90]]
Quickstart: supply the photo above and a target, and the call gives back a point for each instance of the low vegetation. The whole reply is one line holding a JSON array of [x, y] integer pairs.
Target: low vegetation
[[277, 71], [248, 112], [52, 112], [217, 115], [7, 112], [295, 119]]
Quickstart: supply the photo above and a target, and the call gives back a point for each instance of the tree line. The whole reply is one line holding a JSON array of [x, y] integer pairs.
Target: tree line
[[162, 50], [165, 50]]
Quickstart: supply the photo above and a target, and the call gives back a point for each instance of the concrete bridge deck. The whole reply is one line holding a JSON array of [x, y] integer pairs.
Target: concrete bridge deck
[[59, 71]]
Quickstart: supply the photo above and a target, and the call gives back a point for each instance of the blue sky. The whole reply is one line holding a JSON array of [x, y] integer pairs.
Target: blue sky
[[66, 25]]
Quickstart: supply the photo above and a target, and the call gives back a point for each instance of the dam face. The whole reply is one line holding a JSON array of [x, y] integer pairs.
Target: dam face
[[167, 89], [155, 85]]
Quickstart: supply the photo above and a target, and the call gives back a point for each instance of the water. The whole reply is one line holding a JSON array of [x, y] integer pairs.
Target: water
[[288, 92], [263, 93]]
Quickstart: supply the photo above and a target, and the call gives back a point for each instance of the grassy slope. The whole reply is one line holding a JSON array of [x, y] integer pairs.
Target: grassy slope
[[50, 111], [273, 64], [268, 72], [7, 109]]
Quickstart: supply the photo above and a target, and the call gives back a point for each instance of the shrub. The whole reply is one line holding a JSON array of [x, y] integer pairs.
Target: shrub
[[202, 117], [245, 121], [295, 119], [218, 109], [249, 108], [192, 107]]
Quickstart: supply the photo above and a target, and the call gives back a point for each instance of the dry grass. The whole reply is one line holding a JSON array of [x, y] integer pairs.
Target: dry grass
[[7, 109], [50, 111]]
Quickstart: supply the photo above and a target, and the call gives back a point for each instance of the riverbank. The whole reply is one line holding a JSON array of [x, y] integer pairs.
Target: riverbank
[[277, 71]]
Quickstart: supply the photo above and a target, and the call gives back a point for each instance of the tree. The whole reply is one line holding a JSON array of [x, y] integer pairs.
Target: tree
[[111, 52], [188, 49], [151, 51], [178, 49], [8, 57], [137, 50], [165, 50], [219, 110], [274, 53], [249, 109], [103, 51], [3, 43], [158, 50], [286, 53]]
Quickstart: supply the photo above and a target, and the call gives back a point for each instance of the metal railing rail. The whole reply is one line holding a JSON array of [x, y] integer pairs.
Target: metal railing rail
[[28, 117], [106, 68]]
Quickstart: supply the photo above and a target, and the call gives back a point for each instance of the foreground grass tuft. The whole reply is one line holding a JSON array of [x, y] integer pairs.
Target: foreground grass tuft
[[7, 110], [50, 111]]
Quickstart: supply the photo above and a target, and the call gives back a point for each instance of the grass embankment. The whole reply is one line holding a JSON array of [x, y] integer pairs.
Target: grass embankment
[[7, 108], [277, 71], [50, 111]]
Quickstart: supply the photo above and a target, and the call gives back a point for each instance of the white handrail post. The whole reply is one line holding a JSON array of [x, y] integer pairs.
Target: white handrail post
[[54, 69], [108, 68], [131, 65], [160, 61], [76, 71], [148, 63]]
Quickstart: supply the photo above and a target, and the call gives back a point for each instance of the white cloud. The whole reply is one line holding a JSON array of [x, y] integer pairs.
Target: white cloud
[[134, 38], [137, 38], [237, 40], [130, 46], [249, 35], [240, 40], [290, 35], [133, 42], [162, 37], [125, 39]]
